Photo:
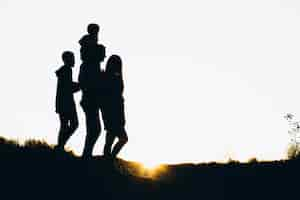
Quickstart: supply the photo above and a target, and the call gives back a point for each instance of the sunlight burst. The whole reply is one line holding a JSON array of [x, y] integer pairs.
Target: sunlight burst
[[150, 165]]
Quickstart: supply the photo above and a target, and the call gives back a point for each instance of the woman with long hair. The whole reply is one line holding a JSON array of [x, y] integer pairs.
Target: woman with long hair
[[114, 108]]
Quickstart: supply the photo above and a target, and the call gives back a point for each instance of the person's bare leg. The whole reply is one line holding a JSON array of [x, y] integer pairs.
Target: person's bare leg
[[109, 140], [122, 140]]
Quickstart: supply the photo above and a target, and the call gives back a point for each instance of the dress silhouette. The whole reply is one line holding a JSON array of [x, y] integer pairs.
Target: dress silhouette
[[65, 104], [114, 118], [91, 84]]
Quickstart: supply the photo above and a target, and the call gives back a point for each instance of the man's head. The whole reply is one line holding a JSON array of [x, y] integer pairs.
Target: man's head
[[68, 58]]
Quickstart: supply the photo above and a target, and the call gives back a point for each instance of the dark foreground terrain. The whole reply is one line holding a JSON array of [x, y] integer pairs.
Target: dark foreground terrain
[[36, 171]]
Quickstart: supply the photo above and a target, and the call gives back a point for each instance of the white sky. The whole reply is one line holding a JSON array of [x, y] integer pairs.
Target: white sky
[[204, 80]]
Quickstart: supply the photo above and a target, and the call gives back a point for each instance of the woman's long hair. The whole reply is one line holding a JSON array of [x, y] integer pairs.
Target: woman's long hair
[[114, 72], [114, 66]]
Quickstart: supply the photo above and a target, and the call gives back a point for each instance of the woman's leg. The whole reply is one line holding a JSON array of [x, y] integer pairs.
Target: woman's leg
[[122, 140], [109, 140], [93, 130]]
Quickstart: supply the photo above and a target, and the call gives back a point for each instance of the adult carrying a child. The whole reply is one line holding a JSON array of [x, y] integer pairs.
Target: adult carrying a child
[[91, 84]]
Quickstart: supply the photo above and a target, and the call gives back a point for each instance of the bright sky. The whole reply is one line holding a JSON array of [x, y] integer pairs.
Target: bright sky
[[204, 80]]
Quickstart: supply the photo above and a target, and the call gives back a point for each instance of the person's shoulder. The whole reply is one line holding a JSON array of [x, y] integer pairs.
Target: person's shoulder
[[62, 70], [59, 71]]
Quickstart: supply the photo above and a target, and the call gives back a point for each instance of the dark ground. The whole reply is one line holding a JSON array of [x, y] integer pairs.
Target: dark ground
[[36, 171]]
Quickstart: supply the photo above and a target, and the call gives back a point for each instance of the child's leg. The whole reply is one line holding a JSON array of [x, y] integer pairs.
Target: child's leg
[[109, 140], [63, 131], [93, 131], [122, 140], [73, 124]]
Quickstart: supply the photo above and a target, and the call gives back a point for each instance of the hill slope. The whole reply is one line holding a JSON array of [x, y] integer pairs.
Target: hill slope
[[36, 171]]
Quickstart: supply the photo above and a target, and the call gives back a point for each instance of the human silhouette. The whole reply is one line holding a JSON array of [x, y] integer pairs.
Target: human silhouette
[[65, 104], [91, 84], [90, 50], [114, 108]]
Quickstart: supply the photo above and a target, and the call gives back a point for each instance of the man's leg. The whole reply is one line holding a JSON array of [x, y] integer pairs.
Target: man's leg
[[93, 129]]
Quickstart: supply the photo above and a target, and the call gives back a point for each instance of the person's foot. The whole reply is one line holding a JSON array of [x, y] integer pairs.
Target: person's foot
[[119, 167], [109, 160], [87, 157], [107, 155], [58, 149]]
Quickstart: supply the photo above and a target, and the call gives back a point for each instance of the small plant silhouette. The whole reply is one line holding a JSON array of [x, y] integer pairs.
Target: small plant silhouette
[[294, 132]]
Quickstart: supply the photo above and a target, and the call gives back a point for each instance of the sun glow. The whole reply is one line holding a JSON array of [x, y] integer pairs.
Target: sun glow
[[152, 170], [150, 165]]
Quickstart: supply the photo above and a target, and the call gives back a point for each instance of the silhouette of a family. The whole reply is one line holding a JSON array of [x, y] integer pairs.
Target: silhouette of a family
[[102, 90]]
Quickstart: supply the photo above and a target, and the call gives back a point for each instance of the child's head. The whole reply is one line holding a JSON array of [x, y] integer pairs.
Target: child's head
[[93, 29], [114, 65], [68, 58]]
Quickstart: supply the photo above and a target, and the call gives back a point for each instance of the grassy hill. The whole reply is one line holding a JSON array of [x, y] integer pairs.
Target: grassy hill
[[36, 171]]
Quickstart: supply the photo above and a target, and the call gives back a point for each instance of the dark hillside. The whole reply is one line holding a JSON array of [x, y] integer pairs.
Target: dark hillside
[[36, 171]]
